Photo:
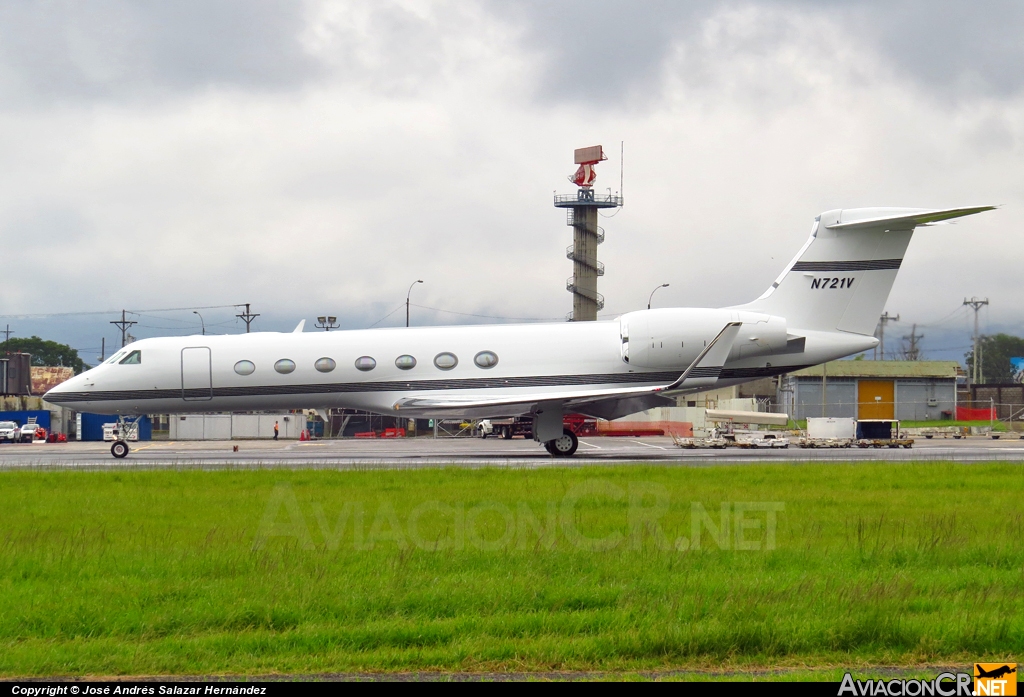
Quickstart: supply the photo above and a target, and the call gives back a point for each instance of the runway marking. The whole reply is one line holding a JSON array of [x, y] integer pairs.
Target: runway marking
[[591, 445], [302, 444], [649, 445]]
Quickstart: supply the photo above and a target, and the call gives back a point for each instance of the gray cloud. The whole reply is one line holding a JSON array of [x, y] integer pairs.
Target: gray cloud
[[59, 51], [318, 158], [605, 51]]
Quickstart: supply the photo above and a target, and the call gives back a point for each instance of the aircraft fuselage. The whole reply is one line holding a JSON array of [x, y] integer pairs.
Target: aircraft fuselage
[[318, 370]]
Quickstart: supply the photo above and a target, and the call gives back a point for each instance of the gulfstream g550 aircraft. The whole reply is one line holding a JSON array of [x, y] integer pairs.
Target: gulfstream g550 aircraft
[[824, 306]]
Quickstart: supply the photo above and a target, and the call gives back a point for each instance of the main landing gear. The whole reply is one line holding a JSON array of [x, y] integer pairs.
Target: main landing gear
[[564, 446]]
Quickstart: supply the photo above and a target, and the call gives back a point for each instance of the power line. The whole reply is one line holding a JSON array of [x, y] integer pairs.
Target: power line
[[111, 312], [386, 316]]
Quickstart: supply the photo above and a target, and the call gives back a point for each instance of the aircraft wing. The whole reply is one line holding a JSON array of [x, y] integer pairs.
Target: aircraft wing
[[703, 371]]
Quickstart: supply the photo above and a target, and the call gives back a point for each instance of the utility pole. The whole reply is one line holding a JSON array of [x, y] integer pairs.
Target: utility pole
[[824, 392], [7, 334], [976, 305], [247, 317], [123, 325], [913, 351], [882, 321]]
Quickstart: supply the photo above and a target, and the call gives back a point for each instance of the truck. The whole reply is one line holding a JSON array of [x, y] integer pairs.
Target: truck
[[506, 428], [523, 426]]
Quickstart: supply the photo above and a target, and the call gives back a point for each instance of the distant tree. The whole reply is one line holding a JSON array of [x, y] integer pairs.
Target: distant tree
[[996, 352], [45, 352]]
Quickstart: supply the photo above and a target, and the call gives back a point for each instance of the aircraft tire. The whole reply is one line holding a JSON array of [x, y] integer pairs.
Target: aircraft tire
[[119, 449], [564, 446]]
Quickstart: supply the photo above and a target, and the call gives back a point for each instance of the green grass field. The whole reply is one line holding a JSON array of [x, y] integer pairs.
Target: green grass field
[[626, 568]]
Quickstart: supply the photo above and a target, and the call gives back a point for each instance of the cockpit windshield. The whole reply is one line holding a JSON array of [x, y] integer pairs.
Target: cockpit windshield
[[133, 358], [116, 357]]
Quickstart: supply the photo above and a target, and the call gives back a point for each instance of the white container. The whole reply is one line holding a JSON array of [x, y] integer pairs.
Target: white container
[[824, 427]]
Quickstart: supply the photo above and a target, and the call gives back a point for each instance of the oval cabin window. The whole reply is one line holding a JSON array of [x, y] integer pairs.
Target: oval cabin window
[[245, 367], [486, 359], [365, 363], [325, 365], [446, 361], [405, 362], [284, 366]]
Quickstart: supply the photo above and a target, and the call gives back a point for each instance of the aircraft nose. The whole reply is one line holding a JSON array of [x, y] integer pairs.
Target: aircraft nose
[[58, 393]]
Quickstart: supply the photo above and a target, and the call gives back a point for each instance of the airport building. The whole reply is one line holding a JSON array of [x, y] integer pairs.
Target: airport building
[[905, 390]]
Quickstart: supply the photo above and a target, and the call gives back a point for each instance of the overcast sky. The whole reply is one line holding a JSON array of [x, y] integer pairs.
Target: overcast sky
[[317, 158]]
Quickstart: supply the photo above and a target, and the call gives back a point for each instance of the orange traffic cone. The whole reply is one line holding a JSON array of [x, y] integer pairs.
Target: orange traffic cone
[[302, 436]]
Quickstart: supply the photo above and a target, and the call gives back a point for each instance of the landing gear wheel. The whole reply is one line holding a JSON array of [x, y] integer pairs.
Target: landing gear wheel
[[119, 449], [564, 446]]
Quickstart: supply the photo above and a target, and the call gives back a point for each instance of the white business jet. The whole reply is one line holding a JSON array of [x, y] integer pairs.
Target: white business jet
[[824, 305]]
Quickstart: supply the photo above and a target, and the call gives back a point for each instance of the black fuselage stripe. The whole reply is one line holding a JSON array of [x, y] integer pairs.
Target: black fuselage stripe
[[417, 385], [876, 265]]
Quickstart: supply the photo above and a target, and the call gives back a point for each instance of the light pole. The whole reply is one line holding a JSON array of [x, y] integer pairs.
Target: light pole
[[407, 302], [327, 323], [196, 312], [663, 285]]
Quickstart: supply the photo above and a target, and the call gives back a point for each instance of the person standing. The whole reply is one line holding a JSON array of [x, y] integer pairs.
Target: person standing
[[277, 429]]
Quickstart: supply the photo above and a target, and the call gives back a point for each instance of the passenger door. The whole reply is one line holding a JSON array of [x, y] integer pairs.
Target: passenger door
[[196, 374]]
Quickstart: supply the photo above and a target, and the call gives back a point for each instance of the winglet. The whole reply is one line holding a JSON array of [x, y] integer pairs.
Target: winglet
[[300, 327], [707, 366]]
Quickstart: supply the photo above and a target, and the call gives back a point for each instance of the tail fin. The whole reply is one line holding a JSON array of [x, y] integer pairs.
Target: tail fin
[[842, 276]]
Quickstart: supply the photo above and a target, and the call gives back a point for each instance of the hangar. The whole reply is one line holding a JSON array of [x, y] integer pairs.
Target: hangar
[[905, 390]]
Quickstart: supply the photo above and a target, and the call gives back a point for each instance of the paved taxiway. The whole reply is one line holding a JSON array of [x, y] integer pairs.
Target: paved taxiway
[[471, 452]]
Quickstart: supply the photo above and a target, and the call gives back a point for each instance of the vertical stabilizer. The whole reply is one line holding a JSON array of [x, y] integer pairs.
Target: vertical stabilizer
[[841, 278]]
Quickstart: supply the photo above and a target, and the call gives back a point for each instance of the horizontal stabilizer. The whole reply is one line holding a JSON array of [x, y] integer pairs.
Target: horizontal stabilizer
[[907, 221]]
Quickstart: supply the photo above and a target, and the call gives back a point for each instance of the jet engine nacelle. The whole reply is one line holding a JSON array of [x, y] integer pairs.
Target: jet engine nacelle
[[672, 338]]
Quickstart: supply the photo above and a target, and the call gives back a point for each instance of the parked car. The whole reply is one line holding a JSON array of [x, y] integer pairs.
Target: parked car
[[8, 431], [31, 432]]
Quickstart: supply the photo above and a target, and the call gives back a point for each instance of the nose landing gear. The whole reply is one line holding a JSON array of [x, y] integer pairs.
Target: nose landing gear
[[564, 446], [120, 448]]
